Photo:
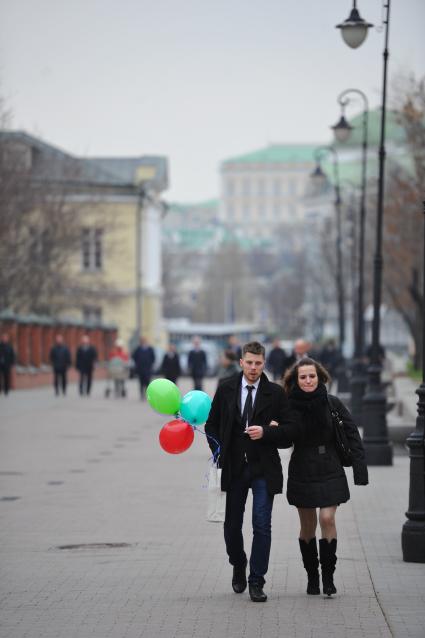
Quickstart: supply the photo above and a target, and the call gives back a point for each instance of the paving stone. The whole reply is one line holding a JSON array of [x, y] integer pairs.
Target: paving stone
[[173, 580]]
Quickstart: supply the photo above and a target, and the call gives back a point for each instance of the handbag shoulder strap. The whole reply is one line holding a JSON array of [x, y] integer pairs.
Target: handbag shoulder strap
[[334, 411], [331, 407]]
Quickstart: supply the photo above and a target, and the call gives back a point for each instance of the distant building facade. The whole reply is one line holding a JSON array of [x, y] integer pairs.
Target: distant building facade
[[265, 188]]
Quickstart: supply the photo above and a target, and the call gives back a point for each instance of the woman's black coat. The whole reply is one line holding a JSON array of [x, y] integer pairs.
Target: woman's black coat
[[271, 404], [316, 477]]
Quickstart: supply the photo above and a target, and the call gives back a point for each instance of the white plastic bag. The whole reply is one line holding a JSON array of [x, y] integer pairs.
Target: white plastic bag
[[216, 498]]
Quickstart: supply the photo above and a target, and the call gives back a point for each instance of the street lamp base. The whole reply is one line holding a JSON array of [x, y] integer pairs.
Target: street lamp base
[[379, 453], [413, 541], [358, 383]]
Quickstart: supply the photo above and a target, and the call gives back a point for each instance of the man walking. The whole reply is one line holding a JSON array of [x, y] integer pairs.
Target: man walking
[[7, 360], [197, 363], [249, 459], [144, 358], [60, 358], [170, 366], [276, 361], [86, 358]]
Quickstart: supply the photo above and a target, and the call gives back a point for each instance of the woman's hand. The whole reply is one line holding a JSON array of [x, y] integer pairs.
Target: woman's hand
[[255, 432], [273, 423]]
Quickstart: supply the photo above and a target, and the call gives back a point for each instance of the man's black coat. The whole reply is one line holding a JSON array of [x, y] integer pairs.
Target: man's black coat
[[7, 355], [86, 357], [270, 404], [60, 357]]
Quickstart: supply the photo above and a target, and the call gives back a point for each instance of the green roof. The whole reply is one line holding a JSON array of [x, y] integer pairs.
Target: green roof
[[207, 204], [276, 154], [394, 132], [352, 171]]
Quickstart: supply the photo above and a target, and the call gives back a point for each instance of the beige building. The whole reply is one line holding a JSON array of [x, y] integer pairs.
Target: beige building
[[119, 255], [265, 188]]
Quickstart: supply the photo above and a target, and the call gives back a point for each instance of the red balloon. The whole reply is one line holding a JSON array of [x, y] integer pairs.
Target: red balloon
[[176, 436]]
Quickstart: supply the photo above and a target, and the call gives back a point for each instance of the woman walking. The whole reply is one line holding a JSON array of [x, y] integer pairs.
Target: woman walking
[[316, 477]]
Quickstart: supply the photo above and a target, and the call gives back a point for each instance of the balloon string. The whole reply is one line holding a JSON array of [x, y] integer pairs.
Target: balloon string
[[216, 454], [213, 459]]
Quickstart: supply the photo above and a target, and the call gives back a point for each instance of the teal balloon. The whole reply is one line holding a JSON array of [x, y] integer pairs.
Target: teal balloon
[[195, 407], [164, 396]]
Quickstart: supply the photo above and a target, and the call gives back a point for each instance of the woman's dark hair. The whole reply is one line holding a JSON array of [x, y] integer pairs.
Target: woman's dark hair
[[230, 355], [290, 378]]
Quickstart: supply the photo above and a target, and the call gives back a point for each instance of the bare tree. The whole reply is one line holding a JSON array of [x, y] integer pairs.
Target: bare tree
[[40, 232], [403, 219], [229, 290]]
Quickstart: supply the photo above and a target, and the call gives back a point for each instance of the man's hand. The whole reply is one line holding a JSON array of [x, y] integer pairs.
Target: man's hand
[[255, 432]]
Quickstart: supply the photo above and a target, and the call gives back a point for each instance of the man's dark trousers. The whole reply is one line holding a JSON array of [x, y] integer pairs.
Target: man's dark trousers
[[5, 379], [60, 380], [197, 383], [85, 382], [261, 522]]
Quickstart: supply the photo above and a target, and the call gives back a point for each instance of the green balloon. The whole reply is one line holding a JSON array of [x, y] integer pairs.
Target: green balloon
[[163, 396]]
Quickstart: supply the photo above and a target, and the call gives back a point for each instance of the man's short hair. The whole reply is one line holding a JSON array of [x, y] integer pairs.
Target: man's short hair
[[254, 347]]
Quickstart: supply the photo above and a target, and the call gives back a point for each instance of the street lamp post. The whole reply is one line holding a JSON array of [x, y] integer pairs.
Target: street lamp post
[[413, 532], [342, 131], [377, 446], [319, 153]]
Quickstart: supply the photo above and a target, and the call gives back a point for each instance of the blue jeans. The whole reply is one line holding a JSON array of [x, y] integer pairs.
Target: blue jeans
[[261, 524]]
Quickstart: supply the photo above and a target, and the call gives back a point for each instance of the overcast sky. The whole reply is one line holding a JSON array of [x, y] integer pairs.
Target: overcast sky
[[196, 80]]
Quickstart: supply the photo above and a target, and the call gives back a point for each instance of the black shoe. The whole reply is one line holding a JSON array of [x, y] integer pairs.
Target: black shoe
[[256, 593], [239, 579]]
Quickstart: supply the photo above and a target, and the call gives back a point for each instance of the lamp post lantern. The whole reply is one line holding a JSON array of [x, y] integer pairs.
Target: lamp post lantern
[[354, 29], [378, 449], [317, 175], [342, 131]]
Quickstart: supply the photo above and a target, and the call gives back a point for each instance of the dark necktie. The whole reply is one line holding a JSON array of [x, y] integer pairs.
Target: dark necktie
[[247, 410]]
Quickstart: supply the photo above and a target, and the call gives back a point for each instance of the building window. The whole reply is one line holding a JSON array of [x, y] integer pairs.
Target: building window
[[246, 187], [260, 187], [277, 187], [292, 187], [92, 314], [230, 188], [38, 245], [92, 249]]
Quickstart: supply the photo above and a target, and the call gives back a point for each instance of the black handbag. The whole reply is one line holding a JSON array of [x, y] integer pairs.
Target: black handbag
[[341, 441]]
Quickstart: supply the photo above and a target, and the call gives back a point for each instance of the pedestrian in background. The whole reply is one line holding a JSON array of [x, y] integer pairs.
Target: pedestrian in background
[[118, 367], [234, 345], [300, 350], [144, 358], [276, 361], [229, 366], [170, 366], [60, 358], [241, 411], [330, 356], [85, 361], [316, 476], [197, 363], [7, 360]]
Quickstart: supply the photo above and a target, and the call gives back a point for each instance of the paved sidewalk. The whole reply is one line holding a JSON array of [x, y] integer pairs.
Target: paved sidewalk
[[90, 471]]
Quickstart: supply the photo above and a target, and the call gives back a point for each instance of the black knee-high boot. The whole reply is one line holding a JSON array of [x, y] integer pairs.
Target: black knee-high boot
[[328, 560], [311, 565]]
